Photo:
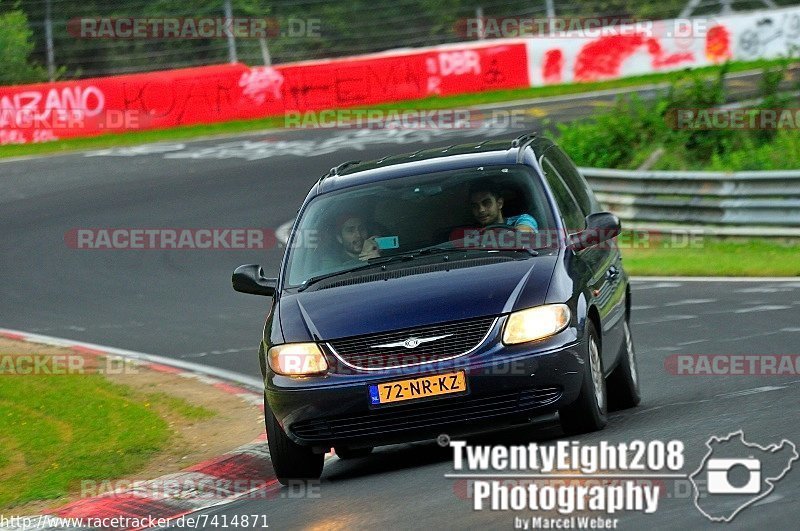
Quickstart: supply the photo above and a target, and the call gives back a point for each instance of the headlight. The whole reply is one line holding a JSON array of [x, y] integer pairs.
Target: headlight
[[297, 359], [535, 323]]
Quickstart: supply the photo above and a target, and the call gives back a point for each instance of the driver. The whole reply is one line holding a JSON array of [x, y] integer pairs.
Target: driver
[[354, 244], [486, 203]]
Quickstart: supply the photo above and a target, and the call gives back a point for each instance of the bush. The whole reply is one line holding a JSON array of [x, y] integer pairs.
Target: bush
[[15, 49], [628, 134]]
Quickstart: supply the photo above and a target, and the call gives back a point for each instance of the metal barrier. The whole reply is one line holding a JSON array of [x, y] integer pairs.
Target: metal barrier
[[737, 203]]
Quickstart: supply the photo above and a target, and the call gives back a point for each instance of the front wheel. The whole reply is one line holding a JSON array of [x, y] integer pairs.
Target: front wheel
[[588, 412], [290, 460], [623, 383]]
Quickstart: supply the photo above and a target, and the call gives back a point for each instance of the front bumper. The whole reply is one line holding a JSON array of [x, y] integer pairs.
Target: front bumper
[[507, 386]]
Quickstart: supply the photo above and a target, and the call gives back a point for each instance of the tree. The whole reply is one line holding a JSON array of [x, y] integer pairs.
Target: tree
[[16, 46]]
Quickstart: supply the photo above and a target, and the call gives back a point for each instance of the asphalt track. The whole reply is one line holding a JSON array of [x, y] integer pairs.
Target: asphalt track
[[179, 304]]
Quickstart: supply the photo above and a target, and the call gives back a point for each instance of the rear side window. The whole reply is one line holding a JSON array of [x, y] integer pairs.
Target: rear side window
[[570, 209], [573, 179]]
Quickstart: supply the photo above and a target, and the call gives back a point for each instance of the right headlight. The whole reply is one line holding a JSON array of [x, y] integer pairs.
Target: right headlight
[[535, 323], [297, 359]]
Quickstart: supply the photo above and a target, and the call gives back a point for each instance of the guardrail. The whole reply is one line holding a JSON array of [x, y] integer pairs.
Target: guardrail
[[765, 203]]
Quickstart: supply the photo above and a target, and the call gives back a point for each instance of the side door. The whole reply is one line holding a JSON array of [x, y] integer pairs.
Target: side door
[[605, 280]]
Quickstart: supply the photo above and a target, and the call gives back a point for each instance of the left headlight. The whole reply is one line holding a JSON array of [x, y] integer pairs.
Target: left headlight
[[535, 323], [297, 359]]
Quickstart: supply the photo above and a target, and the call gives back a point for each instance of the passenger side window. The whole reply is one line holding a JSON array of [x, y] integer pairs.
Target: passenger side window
[[573, 215], [574, 180]]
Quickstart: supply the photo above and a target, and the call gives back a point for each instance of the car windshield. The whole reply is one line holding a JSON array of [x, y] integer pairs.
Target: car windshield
[[488, 208]]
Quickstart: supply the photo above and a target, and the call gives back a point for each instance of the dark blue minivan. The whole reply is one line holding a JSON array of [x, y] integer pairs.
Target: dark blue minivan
[[450, 291]]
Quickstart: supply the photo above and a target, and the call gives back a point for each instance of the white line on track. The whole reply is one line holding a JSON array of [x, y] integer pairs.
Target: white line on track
[[763, 308], [222, 374], [753, 391], [689, 301]]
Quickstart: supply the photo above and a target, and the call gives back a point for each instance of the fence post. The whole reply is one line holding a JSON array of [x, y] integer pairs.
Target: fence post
[[48, 35], [265, 52], [481, 28], [551, 14], [232, 58]]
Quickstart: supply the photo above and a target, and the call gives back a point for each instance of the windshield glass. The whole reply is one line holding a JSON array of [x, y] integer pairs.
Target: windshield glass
[[489, 208]]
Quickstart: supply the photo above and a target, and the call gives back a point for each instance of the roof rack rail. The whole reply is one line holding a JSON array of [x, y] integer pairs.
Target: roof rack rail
[[336, 169], [523, 139]]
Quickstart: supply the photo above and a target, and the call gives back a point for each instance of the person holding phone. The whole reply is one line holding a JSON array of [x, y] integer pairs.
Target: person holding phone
[[355, 243]]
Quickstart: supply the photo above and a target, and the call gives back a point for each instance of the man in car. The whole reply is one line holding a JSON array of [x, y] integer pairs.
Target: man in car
[[354, 242], [486, 203]]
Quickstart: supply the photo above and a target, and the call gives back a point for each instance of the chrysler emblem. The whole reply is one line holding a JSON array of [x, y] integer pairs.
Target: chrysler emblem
[[411, 342]]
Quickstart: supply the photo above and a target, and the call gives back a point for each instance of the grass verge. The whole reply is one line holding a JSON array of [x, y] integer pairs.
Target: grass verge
[[446, 102], [715, 257], [57, 430]]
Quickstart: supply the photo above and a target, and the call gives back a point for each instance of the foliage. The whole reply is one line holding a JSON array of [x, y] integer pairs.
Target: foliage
[[633, 129], [16, 46]]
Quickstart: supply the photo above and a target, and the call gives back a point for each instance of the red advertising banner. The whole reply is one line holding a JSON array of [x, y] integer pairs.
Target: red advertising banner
[[50, 111]]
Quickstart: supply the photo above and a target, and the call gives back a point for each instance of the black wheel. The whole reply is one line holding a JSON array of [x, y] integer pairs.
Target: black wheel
[[588, 412], [623, 383], [290, 460], [343, 452]]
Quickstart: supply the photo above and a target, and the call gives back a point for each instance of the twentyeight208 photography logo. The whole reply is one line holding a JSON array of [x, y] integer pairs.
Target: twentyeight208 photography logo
[[738, 474]]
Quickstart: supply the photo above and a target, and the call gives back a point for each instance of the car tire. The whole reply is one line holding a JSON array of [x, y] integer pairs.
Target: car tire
[[623, 382], [588, 412], [290, 461], [343, 452]]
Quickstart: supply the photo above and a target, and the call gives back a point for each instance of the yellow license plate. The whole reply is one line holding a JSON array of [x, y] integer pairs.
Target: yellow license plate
[[426, 386]]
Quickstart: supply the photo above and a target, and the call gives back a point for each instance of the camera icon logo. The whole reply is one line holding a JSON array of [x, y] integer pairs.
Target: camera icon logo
[[718, 476], [735, 474]]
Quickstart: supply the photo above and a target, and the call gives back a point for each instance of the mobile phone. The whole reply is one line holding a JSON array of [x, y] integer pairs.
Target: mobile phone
[[387, 242]]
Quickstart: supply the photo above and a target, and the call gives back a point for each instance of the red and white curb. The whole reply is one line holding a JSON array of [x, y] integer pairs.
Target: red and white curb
[[245, 472]]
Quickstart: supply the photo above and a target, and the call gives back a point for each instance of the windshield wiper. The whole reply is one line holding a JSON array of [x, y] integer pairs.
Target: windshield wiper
[[381, 260], [372, 262], [530, 251], [410, 255]]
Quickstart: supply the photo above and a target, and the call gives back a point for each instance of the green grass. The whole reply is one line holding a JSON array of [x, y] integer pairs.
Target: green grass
[[58, 430], [180, 406], [714, 257], [447, 102]]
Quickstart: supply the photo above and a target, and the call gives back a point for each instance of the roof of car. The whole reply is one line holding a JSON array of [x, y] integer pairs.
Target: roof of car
[[488, 152]]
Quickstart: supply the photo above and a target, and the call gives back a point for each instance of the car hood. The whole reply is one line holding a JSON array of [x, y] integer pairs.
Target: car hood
[[416, 300]]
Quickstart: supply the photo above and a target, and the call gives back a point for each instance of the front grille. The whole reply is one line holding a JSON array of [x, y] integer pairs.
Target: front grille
[[426, 415], [462, 336]]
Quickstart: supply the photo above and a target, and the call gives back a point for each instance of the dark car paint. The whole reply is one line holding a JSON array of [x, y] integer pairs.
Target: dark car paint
[[419, 300], [580, 279]]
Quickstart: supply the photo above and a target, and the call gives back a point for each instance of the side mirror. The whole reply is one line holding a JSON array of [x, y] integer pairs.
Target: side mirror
[[250, 279], [600, 227]]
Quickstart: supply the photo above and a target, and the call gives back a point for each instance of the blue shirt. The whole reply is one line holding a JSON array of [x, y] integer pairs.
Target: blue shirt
[[522, 219]]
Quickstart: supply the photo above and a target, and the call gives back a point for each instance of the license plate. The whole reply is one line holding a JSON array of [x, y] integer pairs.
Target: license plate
[[426, 386]]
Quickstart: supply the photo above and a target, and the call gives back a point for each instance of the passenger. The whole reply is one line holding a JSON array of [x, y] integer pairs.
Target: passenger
[[486, 202]]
